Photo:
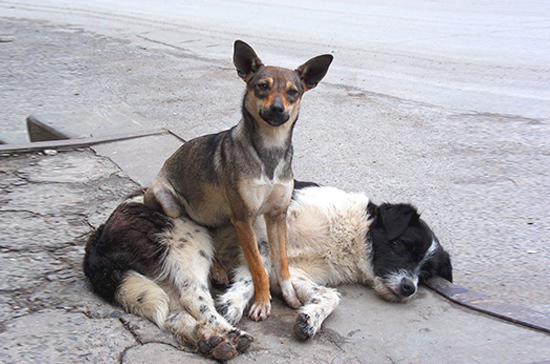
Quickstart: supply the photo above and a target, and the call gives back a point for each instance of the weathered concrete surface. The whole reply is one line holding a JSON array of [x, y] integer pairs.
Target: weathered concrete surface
[[49, 204], [481, 56], [481, 180], [146, 158]]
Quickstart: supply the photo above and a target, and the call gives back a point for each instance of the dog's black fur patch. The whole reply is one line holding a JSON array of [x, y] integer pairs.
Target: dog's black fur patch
[[298, 185], [127, 241]]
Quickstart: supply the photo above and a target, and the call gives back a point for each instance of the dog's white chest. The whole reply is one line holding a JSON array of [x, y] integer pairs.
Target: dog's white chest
[[272, 195], [265, 195]]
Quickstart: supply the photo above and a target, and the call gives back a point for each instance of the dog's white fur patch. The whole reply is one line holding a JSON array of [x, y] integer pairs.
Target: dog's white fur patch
[[325, 246], [143, 297], [184, 240], [326, 235]]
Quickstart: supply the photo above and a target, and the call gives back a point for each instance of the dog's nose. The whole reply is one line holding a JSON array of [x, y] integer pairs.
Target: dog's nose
[[277, 108], [407, 287]]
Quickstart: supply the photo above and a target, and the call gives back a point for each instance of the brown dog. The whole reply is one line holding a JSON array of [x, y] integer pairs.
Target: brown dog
[[241, 173]]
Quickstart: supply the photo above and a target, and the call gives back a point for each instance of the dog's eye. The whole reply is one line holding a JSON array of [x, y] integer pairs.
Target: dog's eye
[[263, 86], [292, 92], [414, 247]]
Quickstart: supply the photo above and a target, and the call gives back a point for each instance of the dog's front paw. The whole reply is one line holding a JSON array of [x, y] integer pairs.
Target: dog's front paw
[[230, 311], [216, 347], [289, 294], [259, 311], [240, 339], [303, 329]]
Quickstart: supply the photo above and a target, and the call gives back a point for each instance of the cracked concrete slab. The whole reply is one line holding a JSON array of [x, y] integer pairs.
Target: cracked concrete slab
[[46, 204], [160, 354], [479, 177], [25, 230], [49, 314], [56, 336]]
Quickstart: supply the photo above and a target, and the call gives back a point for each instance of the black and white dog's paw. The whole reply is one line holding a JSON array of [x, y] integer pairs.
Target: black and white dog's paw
[[240, 340], [230, 310], [303, 328], [216, 347], [221, 344]]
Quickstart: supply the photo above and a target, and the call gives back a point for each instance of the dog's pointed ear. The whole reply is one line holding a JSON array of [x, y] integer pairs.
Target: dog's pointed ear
[[443, 267], [439, 265], [245, 60], [313, 71], [396, 218]]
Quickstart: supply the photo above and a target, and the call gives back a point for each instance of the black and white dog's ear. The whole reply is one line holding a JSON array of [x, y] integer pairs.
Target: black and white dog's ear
[[396, 218], [439, 265], [444, 268]]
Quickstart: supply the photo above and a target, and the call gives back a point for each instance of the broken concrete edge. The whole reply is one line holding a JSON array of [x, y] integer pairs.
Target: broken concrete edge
[[39, 131], [454, 293], [482, 303], [82, 142]]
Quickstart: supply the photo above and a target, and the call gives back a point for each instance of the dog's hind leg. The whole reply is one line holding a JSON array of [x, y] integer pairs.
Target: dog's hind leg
[[186, 267], [143, 297], [319, 302], [159, 197]]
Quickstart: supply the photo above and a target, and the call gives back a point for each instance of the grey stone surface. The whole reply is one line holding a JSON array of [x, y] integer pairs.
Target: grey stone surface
[[143, 164], [46, 205], [480, 179], [82, 124], [56, 336], [160, 354], [49, 315], [368, 328]]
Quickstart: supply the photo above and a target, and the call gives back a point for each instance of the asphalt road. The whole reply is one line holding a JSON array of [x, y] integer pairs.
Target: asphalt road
[[444, 105]]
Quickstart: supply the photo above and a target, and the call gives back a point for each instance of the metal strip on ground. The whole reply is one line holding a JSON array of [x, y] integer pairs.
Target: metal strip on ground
[[485, 304], [83, 142]]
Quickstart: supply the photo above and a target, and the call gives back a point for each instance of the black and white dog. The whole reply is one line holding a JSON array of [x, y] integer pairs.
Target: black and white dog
[[335, 238], [158, 268]]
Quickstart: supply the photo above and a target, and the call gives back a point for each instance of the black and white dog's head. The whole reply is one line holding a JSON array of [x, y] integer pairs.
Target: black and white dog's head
[[405, 251]]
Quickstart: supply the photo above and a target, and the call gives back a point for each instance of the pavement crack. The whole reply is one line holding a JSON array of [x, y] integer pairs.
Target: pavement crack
[[334, 337], [123, 353], [8, 249], [12, 211], [128, 326]]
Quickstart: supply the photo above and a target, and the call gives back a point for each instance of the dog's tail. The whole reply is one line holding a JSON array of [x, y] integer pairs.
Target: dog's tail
[[128, 242], [104, 273], [116, 282]]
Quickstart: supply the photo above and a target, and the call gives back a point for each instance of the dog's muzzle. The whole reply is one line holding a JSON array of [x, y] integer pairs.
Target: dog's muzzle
[[275, 114]]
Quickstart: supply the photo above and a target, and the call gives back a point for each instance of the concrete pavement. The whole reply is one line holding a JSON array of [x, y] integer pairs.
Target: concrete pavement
[[481, 180], [50, 201], [478, 56]]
